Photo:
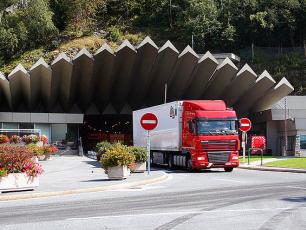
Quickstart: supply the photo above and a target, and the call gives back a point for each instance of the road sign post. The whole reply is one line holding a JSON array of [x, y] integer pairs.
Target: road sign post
[[149, 154], [245, 126], [148, 122]]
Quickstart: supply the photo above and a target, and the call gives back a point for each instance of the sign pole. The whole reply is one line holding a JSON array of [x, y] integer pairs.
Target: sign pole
[[149, 155], [148, 122], [243, 144], [245, 126]]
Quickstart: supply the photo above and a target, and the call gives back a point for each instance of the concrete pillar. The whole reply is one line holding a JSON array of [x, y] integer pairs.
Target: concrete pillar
[[40, 80], [262, 84], [200, 76], [81, 84], [161, 72], [102, 75], [182, 73], [272, 137], [61, 82], [281, 90], [124, 62], [220, 80], [244, 80], [147, 52], [20, 88], [6, 92]]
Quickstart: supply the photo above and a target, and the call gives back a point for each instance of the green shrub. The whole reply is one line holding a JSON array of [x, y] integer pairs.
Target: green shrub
[[114, 34], [117, 155], [140, 153], [101, 148]]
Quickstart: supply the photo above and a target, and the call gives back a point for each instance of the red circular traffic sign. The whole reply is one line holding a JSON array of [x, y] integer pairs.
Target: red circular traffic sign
[[245, 124], [148, 121]]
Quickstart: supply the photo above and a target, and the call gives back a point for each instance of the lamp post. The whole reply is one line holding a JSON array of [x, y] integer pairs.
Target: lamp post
[[286, 135]]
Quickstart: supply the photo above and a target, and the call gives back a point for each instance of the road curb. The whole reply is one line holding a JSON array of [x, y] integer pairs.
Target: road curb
[[272, 169], [85, 190]]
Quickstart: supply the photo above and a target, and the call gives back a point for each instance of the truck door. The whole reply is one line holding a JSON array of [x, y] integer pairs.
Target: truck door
[[189, 132]]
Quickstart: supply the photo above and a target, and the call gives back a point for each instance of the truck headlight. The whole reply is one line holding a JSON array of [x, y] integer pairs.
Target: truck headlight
[[235, 157], [201, 158]]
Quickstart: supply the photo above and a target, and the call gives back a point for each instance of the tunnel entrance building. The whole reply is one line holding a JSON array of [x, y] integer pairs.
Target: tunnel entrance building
[[92, 96], [111, 128]]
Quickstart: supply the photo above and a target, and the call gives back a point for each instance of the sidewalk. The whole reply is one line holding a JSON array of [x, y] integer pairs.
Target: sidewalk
[[74, 174], [255, 165]]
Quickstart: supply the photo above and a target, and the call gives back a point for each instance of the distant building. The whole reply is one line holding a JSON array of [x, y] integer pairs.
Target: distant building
[[285, 118]]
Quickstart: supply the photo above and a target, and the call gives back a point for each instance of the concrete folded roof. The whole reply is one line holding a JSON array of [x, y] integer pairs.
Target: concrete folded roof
[[130, 78]]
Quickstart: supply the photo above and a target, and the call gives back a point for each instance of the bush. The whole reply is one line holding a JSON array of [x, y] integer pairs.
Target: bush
[[140, 153], [4, 139], [117, 155], [32, 138], [44, 139], [101, 148], [35, 150], [15, 139], [50, 149], [3, 172], [17, 159], [114, 34]]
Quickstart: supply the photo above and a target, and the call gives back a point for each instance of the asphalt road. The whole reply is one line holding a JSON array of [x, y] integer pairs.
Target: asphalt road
[[207, 200]]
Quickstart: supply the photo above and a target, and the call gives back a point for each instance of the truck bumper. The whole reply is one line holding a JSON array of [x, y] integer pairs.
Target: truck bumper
[[206, 165]]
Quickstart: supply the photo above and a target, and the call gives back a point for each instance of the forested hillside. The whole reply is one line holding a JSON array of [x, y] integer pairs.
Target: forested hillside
[[33, 28]]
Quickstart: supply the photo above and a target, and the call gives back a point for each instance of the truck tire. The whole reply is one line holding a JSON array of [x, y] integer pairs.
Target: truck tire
[[228, 169], [189, 163], [170, 161]]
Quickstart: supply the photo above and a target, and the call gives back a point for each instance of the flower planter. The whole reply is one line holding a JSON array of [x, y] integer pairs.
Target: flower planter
[[118, 172], [35, 159], [18, 181], [140, 167], [42, 157]]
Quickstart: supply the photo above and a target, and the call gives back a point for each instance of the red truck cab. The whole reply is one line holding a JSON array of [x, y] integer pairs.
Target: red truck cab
[[210, 135]]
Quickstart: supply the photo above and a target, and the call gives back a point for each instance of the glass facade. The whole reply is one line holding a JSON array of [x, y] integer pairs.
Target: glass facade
[[58, 132], [303, 141]]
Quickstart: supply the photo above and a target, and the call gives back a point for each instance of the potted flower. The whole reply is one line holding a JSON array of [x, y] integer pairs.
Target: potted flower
[[4, 139], [116, 161], [49, 150], [36, 151], [15, 139], [101, 148], [18, 171], [44, 139], [28, 139], [141, 157]]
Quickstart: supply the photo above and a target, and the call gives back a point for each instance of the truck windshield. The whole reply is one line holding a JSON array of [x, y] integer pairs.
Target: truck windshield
[[212, 127]]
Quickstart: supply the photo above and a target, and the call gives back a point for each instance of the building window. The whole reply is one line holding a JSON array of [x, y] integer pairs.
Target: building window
[[303, 142], [26, 126], [290, 143]]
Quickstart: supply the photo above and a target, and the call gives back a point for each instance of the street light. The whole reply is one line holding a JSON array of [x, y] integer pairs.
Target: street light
[[286, 136]]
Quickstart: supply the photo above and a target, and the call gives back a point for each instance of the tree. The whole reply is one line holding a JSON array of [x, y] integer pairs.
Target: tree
[[201, 20], [25, 28], [6, 3], [76, 15]]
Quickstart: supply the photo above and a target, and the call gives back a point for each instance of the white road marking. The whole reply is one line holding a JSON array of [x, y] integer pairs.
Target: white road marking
[[296, 187], [230, 180], [186, 212]]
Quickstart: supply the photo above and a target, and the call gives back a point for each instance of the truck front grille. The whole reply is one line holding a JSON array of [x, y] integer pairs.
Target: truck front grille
[[218, 157], [216, 145]]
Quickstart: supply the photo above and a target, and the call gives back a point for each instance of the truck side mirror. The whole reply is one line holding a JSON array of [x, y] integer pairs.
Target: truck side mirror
[[191, 125]]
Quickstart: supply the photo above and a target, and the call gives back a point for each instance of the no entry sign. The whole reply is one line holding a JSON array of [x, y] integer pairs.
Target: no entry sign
[[245, 124], [148, 121]]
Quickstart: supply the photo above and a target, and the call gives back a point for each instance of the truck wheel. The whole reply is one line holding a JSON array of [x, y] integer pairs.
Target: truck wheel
[[228, 169], [170, 162], [189, 165]]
